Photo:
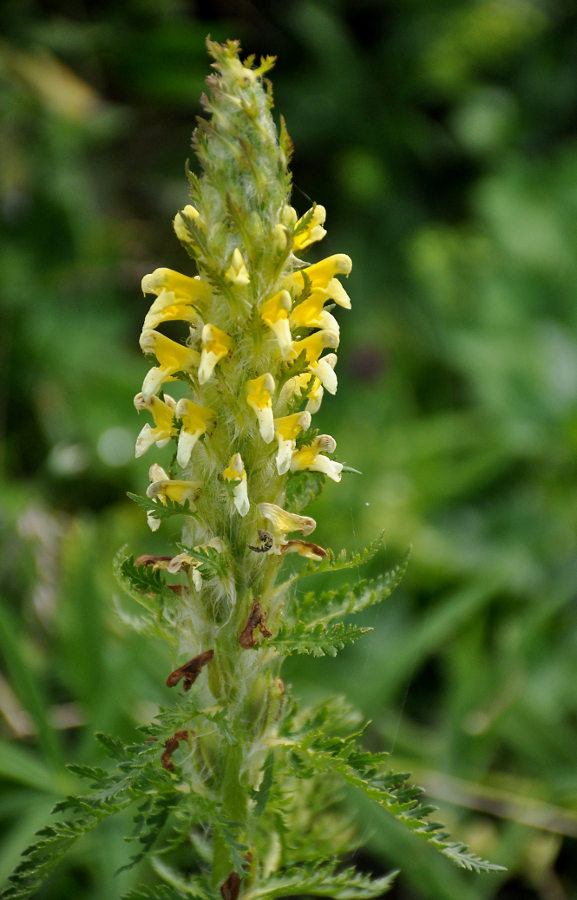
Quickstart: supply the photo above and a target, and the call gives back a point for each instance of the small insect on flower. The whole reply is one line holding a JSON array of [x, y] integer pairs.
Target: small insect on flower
[[190, 670]]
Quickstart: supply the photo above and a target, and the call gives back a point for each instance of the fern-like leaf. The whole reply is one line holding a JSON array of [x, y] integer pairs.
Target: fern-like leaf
[[315, 640], [162, 510], [347, 600], [325, 880], [390, 790]]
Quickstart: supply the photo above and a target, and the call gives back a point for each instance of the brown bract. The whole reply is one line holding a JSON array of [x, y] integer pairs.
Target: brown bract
[[231, 887], [255, 619], [190, 670], [170, 746]]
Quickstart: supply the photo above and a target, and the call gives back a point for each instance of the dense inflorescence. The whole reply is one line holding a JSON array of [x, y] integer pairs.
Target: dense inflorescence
[[239, 791]]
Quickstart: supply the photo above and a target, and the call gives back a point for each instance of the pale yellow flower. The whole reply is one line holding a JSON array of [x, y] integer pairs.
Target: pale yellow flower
[[166, 308], [172, 358], [179, 224], [163, 488], [186, 289], [312, 458], [304, 385], [309, 228], [215, 345], [162, 412], [195, 421], [275, 313], [287, 429], [235, 471], [259, 393], [314, 344]]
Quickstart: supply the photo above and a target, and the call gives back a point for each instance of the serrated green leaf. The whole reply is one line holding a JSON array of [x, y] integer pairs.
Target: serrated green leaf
[[162, 510], [328, 605], [325, 880], [316, 640], [302, 489], [389, 790]]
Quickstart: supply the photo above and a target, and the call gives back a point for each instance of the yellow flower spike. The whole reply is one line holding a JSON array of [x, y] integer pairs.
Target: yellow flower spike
[[186, 289], [162, 412], [275, 313], [259, 393], [166, 308], [195, 421], [283, 523], [323, 371], [287, 429], [235, 471], [312, 458], [314, 344], [311, 228], [164, 488], [172, 358], [215, 345], [237, 272], [179, 223]]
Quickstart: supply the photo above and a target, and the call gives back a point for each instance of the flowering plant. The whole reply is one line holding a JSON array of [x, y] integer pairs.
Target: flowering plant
[[237, 789]]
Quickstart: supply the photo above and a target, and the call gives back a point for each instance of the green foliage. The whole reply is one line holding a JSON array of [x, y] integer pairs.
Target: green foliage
[[212, 563], [324, 879], [317, 751], [315, 606], [162, 509], [316, 639], [302, 489]]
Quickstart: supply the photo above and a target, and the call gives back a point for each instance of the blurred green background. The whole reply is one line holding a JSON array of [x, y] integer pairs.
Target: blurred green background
[[441, 136]]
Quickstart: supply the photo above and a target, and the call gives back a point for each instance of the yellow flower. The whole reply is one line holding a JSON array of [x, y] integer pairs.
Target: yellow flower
[[164, 488], [195, 421], [321, 276], [180, 226], [166, 308], [287, 429], [259, 393], [283, 523], [312, 458], [275, 313], [315, 343], [323, 371], [235, 471], [162, 413], [172, 358], [304, 385], [215, 345], [237, 272], [309, 228], [186, 290]]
